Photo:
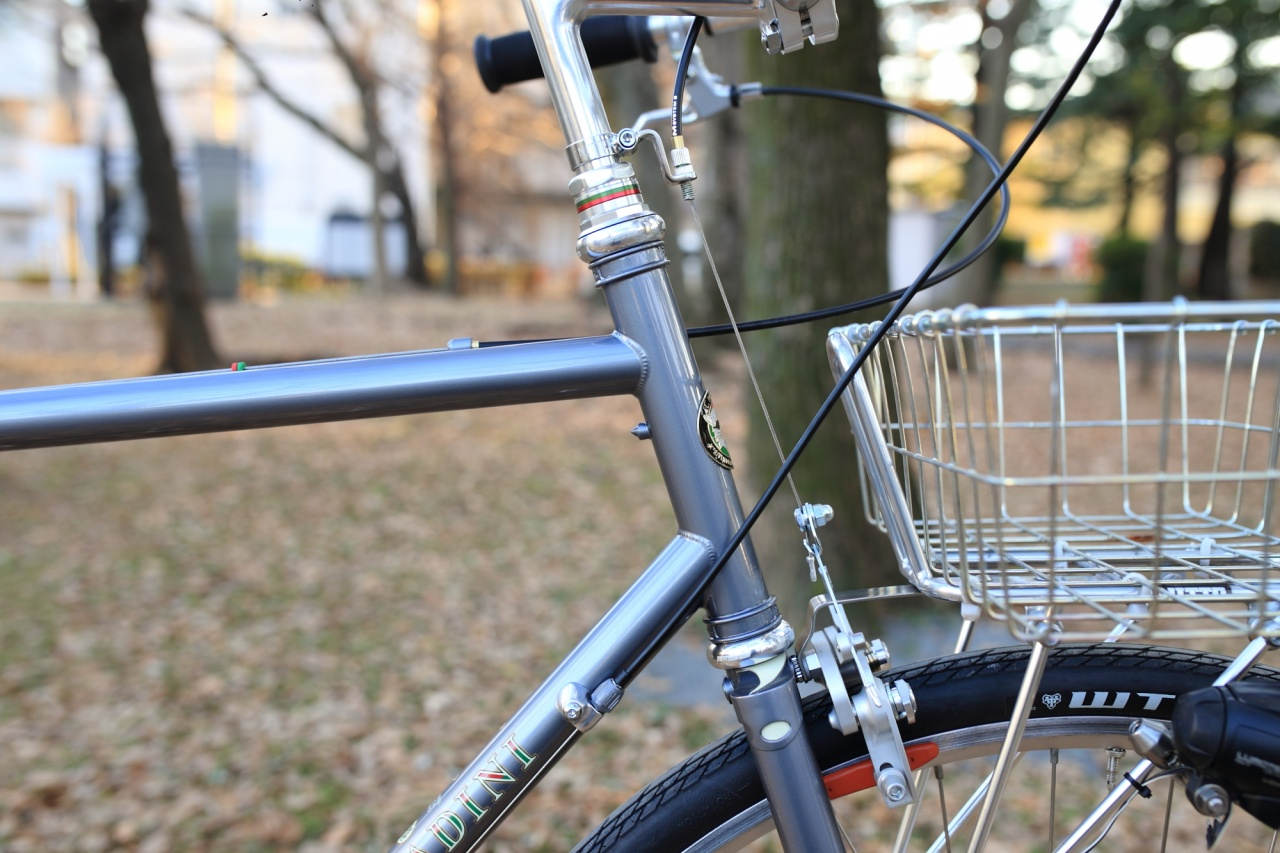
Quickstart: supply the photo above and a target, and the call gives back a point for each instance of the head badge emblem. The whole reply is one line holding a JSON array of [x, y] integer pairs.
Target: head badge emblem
[[709, 433]]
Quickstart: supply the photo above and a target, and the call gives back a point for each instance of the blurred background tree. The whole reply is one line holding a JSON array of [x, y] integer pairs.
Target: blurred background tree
[[816, 235], [1242, 101], [1001, 25], [1180, 81], [389, 187], [174, 282]]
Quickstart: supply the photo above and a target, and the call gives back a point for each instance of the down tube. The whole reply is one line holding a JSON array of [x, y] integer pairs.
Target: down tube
[[539, 733]]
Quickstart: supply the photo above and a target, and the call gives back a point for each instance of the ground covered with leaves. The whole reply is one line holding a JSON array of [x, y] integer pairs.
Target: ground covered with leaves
[[294, 638]]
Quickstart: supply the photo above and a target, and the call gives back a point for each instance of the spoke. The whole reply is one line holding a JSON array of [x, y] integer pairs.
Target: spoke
[[970, 807], [1093, 829], [1093, 826], [1275, 835], [1168, 809], [942, 799], [909, 814], [848, 842], [1053, 792]]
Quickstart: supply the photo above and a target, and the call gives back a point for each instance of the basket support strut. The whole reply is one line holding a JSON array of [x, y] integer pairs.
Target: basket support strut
[[1009, 749], [908, 822]]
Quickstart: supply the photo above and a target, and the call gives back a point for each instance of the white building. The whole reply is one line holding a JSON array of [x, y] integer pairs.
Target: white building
[[55, 112]]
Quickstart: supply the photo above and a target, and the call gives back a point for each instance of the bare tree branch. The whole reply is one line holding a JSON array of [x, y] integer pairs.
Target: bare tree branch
[[377, 152], [361, 75], [271, 90]]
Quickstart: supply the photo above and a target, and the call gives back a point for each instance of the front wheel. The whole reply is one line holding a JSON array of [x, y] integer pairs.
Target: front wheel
[[1071, 751]]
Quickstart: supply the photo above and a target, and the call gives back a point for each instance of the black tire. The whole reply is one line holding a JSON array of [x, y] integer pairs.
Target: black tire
[[964, 705]]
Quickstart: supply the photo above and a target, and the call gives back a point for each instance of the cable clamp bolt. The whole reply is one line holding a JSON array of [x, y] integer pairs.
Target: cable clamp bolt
[[626, 140], [574, 704]]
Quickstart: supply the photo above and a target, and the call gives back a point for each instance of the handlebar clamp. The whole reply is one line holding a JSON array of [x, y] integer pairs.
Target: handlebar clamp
[[792, 23]]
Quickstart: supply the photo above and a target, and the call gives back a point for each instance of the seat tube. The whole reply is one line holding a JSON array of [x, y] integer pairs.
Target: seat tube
[[621, 240]]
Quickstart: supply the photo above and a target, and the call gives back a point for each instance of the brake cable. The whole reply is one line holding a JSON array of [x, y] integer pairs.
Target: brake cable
[[879, 332], [736, 93], [779, 321]]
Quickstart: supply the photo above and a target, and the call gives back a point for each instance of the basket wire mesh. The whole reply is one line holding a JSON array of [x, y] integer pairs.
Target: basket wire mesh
[[1105, 470]]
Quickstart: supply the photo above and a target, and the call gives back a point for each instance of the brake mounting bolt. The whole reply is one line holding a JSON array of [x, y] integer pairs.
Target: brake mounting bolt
[[892, 784]]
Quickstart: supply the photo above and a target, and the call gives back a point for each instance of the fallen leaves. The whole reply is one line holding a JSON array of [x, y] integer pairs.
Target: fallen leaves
[[293, 638]]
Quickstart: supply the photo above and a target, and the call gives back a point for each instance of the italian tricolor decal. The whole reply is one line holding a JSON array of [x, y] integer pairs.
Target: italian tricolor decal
[[615, 192]]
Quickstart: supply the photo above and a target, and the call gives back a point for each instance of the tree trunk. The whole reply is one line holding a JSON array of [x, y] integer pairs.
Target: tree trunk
[[1128, 183], [1215, 273], [107, 221], [1160, 277], [379, 152], [725, 181], [447, 213], [394, 182], [978, 283], [816, 236], [1214, 281], [377, 222], [179, 296], [722, 186]]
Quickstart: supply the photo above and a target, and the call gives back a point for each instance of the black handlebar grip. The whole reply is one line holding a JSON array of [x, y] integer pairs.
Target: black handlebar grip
[[608, 39]]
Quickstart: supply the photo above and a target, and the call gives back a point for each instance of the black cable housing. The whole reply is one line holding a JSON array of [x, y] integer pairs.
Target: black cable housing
[[727, 549], [682, 71], [884, 298]]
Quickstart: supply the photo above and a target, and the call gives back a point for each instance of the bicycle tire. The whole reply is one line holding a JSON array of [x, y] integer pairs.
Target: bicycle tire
[[964, 700]]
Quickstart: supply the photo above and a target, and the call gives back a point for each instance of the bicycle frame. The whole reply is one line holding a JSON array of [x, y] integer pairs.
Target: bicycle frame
[[649, 356], [663, 376]]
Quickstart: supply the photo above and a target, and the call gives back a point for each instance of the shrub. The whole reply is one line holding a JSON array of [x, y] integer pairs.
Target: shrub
[[277, 271], [1264, 250], [1122, 260], [1009, 250]]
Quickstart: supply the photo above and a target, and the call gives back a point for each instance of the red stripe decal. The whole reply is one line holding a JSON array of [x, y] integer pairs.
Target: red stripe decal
[[609, 197]]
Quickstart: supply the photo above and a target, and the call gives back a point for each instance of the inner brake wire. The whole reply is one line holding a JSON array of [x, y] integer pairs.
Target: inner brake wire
[[883, 327], [735, 542]]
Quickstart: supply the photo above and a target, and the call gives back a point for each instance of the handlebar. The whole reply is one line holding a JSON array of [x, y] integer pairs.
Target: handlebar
[[608, 39]]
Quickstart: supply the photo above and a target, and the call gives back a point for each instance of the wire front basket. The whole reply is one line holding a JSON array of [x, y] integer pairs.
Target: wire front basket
[[1093, 470]]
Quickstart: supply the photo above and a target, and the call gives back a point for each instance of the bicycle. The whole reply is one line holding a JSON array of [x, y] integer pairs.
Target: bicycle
[[870, 729]]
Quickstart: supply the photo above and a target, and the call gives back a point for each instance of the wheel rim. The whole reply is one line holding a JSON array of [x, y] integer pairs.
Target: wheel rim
[[974, 742]]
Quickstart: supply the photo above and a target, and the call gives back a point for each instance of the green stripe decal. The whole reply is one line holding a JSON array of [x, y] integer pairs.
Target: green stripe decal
[[618, 191]]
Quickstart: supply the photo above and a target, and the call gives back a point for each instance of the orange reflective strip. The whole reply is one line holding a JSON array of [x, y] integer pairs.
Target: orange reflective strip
[[859, 777]]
